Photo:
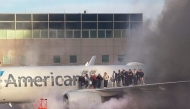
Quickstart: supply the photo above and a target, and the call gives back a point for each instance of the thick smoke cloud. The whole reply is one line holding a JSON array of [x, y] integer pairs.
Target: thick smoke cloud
[[164, 48]]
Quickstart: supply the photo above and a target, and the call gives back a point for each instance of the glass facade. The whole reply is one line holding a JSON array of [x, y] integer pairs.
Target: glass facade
[[70, 25], [6, 59], [75, 35]]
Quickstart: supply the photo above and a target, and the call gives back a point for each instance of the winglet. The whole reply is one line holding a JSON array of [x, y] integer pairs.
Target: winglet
[[92, 61], [10, 105]]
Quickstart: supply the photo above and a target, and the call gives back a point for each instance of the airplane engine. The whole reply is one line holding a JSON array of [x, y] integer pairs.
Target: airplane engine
[[83, 97]]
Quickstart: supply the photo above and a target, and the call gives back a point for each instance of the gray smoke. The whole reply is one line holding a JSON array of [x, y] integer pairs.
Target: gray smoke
[[164, 47]]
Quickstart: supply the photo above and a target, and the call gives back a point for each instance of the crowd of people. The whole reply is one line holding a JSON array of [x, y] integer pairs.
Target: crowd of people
[[120, 78], [128, 78]]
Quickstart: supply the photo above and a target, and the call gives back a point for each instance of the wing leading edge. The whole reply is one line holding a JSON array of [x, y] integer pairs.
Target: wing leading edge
[[143, 88]]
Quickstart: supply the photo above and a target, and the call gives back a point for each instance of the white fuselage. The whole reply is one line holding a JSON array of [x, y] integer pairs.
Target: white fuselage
[[46, 80]]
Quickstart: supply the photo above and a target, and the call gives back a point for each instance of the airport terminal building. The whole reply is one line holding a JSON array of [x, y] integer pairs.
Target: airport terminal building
[[66, 39]]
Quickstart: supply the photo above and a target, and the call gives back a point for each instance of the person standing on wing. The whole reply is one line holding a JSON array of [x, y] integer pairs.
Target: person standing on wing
[[105, 77]]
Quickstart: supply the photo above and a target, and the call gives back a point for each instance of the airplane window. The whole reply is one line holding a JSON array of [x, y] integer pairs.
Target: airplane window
[[23, 80], [0, 81], [28, 80], [5, 81]]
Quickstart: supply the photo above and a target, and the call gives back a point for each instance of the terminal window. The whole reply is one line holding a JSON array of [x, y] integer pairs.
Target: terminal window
[[69, 34], [52, 34], [85, 34], [121, 17], [56, 59], [89, 25], [135, 17], [56, 25], [105, 58], [93, 34], [40, 17], [109, 34], [7, 25], [23, 17], [23, 25], [60, 34], [6, 59], [105, 17], [117, 34], [72, 17], [121, 58], [73, 59], [7, 17], [73, 25], [56, 17], [121, 25], [77, 34], [3, 34], [101, 34], [89, 17]]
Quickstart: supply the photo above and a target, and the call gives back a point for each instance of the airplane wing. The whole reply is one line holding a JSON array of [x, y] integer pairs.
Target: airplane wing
[[145, 88], [96, 95]]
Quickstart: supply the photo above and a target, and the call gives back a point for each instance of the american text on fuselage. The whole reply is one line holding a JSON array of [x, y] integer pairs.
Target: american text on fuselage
[[40, 81]]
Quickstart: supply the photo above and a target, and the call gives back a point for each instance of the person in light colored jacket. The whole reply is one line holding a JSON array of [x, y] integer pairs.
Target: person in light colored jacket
[[105, 77]]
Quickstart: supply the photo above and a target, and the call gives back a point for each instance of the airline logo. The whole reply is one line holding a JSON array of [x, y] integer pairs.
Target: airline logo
[[1, 73], [39, 81]]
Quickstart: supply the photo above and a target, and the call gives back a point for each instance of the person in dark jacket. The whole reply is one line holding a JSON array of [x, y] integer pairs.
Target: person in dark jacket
[[80, 82], [138, 74], [94, 81], [126, 78], [99, 80], [134, 77], [130, 76], [119, 79], [141, 77], [123, 77]]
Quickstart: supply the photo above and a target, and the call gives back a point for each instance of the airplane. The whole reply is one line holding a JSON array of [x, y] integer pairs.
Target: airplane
[[26, 84]]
